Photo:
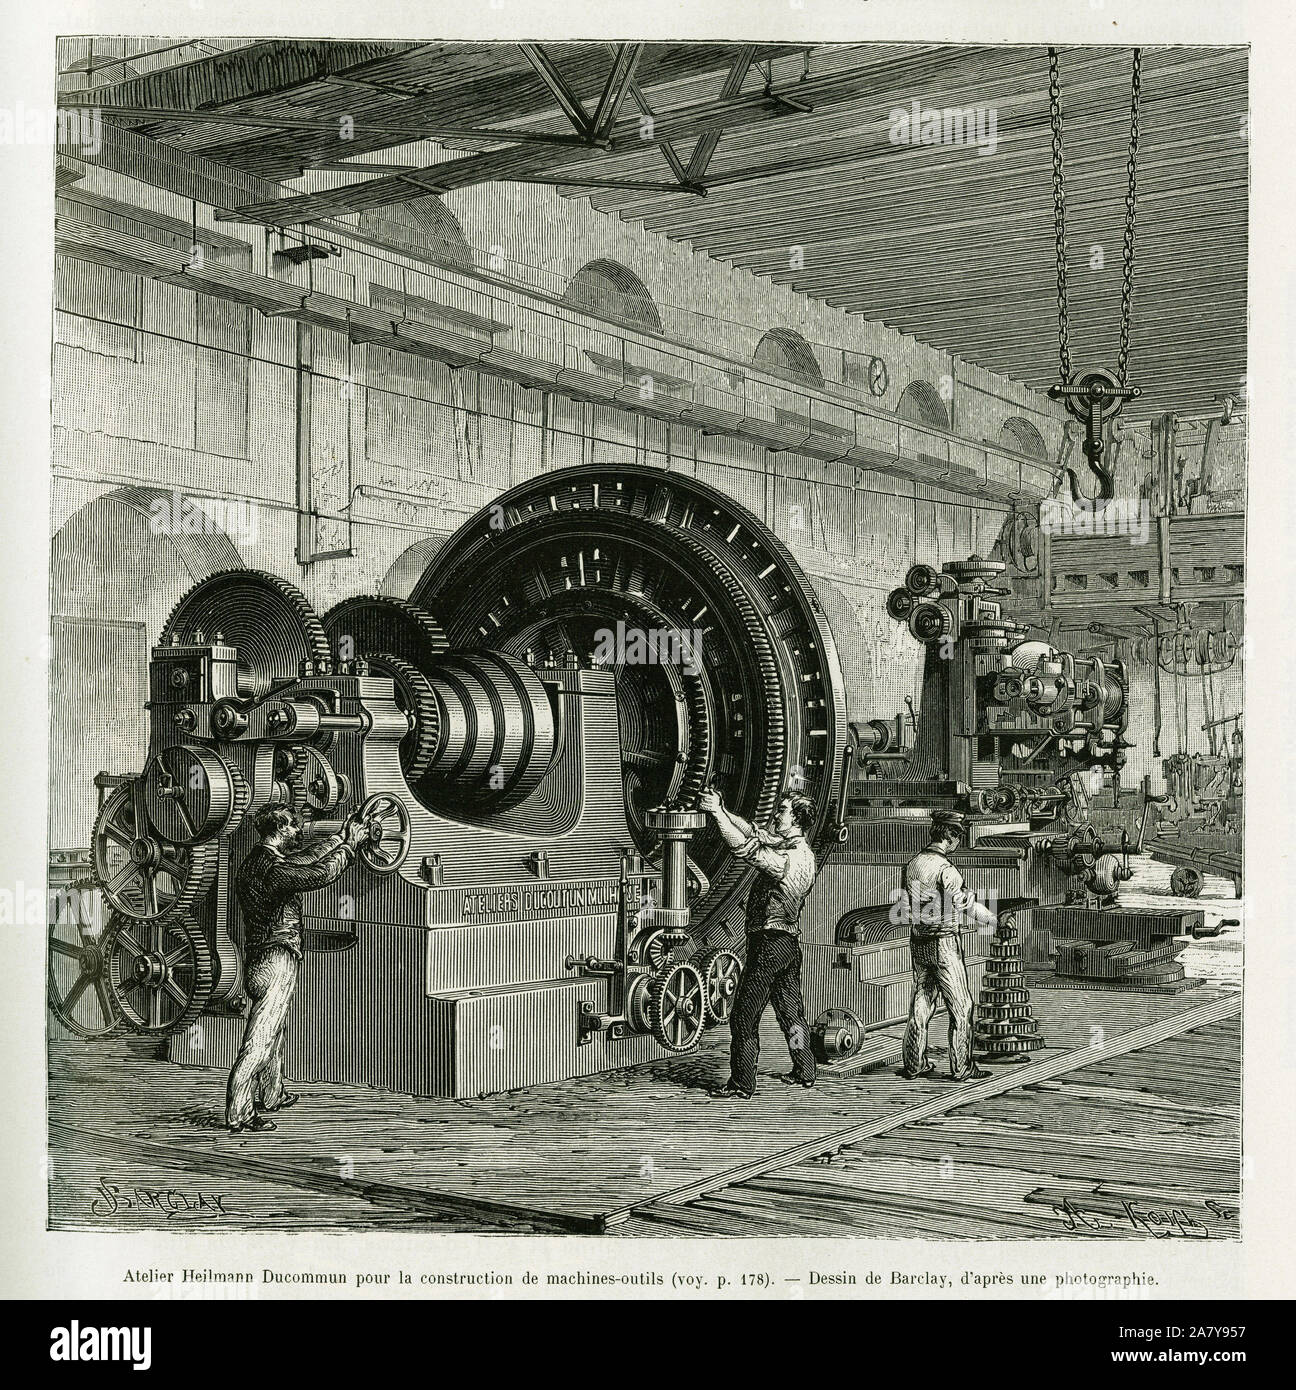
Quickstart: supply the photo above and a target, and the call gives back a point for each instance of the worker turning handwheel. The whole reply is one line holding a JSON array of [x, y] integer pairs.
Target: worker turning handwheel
[[269, 884], [786, 872]]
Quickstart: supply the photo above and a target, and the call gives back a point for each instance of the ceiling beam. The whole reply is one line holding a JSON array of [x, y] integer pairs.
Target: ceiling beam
[[994, 221], [568, 101], [667, 150], [860, 180], [506, 164], [700, 159], [620, 79], [327, 125]]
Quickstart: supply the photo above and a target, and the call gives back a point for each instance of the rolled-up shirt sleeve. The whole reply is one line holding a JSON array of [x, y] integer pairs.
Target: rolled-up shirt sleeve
[[953, 889], [761, 856]]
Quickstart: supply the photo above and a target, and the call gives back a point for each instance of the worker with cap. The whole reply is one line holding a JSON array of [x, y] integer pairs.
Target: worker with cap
[[936, 904]]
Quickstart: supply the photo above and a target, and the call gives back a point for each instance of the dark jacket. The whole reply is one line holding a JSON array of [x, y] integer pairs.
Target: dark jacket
[[269, 888]]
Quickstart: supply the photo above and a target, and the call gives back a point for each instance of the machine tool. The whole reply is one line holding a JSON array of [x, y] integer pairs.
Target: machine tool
[[524, 738], [536, 896]]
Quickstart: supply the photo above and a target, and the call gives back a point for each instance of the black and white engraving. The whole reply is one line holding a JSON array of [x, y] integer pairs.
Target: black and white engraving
[[648, 638]]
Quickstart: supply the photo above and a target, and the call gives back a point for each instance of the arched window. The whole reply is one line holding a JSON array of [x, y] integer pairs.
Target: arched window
[[424, 227], [1022, 437], [610, 290], [920, 404], [785, 352]]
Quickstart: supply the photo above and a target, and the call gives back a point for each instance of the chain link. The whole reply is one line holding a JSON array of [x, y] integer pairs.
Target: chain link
[[1059, 218], [1131, 208]]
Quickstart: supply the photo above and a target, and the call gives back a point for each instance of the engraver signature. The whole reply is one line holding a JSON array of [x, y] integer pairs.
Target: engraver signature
[[1156, 1221], [111, 1199]]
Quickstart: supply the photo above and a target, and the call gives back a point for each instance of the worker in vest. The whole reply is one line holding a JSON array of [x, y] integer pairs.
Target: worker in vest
[[786, 868], [937, 906]]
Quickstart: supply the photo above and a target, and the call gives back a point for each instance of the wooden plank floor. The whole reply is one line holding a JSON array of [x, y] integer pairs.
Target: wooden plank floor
[[566, 1157], [1144, 1145]]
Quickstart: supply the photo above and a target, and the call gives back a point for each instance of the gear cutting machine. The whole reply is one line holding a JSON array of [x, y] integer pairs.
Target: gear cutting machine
[[536, 896]]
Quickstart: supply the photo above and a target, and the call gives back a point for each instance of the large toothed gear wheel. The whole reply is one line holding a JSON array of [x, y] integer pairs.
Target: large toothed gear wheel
[[372, 623], [77, 986], [161, 972], [193, 794], [758, 692], [677, 1008], [142, 874], [721, 971], [415, 697], [266, 618]]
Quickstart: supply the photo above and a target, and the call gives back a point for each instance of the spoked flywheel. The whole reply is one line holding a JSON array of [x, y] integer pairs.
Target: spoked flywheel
[[161, 972], [142, 874], [677, 1010], [77, 986], [721, 970]]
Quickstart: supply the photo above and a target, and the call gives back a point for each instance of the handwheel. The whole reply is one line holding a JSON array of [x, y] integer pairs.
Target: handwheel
[[389, 833], [1187, 882], [161, 972], [77, 980], [720, 970], [141, 874], [677, 1007]]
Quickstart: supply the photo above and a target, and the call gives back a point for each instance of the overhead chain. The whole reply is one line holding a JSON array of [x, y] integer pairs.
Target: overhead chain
[[1059, 217], [1131, 209]]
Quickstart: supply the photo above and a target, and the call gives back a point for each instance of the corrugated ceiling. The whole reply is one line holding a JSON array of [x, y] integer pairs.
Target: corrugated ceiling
[[952, 243]]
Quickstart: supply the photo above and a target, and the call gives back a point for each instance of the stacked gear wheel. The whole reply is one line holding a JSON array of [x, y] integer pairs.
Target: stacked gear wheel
[[1006, 1028], [370, 623], [415, 697], [403, 642], [267, 619], [569, 555]]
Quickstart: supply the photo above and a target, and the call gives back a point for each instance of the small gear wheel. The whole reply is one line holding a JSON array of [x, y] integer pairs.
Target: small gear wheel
[[721, 970], [314, 784], [415, 697], [657, 946], [677, 1007]]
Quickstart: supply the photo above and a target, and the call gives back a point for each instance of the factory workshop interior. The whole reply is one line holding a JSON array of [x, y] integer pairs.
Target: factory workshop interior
[[517, 465]]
